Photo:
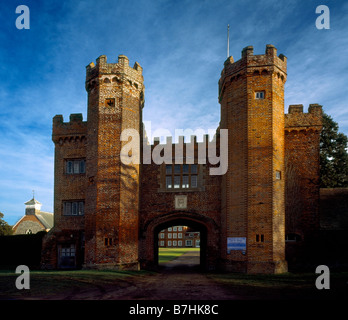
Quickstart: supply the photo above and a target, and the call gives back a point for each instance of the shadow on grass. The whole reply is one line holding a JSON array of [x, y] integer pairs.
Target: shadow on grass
[[300, 286], [50, 284]]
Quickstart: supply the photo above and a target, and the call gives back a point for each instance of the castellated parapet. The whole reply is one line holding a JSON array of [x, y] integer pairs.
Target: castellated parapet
[[296, 119], [251, 64], [119, 73], [302, 141], [75, 129]]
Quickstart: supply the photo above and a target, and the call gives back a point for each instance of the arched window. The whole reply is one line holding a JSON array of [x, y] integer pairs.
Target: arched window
[[264, 72]]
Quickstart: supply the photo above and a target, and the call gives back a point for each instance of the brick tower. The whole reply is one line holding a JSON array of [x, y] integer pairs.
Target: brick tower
[[251, 94], [115, 101]]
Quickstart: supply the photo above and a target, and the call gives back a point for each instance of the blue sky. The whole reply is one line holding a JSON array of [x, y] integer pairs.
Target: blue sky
[[182, 47]]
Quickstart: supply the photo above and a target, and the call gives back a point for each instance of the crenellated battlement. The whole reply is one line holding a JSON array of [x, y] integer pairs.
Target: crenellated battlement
[[268, 61], [115, 73], [296, 119], [268, 64], [76, 128]]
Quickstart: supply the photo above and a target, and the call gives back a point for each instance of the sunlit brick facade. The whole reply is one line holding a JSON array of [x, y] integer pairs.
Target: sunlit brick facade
[[110, 214]]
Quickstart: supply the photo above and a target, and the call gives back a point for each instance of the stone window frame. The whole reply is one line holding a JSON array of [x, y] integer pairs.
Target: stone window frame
[[260, 94], [68, 250], [185, 171], [70, 164], [278, 175], [108, 242], [77, 203], [188, 243]]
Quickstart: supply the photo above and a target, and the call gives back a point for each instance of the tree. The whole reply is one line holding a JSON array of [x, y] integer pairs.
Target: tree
[[333, 155], [5, 228]]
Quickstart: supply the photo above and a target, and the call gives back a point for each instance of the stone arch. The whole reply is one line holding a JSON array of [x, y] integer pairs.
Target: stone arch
[[210, 238], [264, 72]]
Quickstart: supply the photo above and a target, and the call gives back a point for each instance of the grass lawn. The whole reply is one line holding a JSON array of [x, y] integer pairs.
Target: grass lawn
[[286, 285], [51, 283], [169, 254]]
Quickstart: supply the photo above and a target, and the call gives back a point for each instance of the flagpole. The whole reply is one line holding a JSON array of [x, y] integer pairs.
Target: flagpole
[[228, 40]]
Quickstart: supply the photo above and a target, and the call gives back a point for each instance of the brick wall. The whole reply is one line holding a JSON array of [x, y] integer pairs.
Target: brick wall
[[113, 188], [254, 198], [302, 136], [271, 172]]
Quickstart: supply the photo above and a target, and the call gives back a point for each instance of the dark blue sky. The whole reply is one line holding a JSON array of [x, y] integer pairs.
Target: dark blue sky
[[182, 47]]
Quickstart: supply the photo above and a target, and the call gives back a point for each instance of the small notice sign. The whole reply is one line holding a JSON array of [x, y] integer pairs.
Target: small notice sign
[[236, 243]]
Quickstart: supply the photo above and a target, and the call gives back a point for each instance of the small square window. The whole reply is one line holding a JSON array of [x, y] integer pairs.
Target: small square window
[[278, 175], [188, 243], [108, 241], [110, 102], [260, 95], [75, 166]]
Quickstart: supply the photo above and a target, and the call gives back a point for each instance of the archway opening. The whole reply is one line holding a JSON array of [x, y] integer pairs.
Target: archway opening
[[181, 244]]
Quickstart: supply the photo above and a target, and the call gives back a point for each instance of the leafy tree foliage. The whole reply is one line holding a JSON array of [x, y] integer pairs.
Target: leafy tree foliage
[[333, 155], [5, 228]]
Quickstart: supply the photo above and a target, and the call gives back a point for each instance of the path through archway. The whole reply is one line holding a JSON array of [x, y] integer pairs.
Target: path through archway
[[181, 245]]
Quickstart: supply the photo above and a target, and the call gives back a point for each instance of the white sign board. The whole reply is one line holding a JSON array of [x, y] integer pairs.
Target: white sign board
[[236, 243]]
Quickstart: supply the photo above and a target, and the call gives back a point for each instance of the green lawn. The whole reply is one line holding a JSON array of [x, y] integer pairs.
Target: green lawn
[[169, 254], [286, 285], [51, 283]]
